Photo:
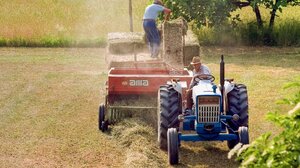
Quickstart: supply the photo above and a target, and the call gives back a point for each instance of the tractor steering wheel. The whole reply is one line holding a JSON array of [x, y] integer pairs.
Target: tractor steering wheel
[[199, 77]]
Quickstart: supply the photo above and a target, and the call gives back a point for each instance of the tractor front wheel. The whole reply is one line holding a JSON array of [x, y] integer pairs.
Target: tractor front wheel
[[173, 146], [169, 107], [244, 135]]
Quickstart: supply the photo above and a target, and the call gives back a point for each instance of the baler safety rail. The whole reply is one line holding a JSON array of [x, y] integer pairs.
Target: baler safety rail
[[143, 64]]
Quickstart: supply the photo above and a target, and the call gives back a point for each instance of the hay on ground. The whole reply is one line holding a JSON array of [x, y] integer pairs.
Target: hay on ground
[[138, 140]]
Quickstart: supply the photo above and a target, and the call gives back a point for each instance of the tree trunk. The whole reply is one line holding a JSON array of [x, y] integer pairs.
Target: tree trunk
[[273, 15], [258, 17], [130, 16], [272, 19]]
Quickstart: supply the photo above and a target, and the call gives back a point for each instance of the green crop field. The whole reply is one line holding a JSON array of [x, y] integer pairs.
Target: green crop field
[[49, 106]]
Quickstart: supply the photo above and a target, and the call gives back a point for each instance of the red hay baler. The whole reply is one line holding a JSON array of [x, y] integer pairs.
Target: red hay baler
[[128, 82]]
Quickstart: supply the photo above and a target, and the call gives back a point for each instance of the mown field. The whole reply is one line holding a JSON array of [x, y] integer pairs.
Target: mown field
[[49, 106]]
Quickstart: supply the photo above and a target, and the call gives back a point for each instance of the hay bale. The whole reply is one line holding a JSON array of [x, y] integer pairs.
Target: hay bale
[[125, 42], [182, 23], [191, 48], [173, 42]]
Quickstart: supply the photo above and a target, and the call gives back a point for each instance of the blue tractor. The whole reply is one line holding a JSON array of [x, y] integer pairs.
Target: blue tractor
[[219, 114]]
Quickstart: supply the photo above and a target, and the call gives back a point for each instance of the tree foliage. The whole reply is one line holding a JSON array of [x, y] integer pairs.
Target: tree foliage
[[215, 12], [282, 150], [201, 12]]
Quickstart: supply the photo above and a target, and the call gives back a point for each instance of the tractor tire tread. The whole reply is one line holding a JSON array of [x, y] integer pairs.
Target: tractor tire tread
[[238, 104], [168, 111]]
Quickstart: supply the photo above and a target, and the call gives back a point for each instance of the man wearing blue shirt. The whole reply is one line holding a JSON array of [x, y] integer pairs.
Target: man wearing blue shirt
[[149, 24], [199, 69]]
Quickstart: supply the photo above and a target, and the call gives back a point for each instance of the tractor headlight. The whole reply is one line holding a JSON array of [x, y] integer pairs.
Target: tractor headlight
[[235, 117]]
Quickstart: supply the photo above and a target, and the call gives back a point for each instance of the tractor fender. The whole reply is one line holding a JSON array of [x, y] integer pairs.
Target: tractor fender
[[177, 86], [228, 87]]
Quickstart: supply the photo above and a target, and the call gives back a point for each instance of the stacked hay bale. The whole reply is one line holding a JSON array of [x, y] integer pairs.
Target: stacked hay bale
[[173, 41], [122, 46], [125, 42], [179, 44]]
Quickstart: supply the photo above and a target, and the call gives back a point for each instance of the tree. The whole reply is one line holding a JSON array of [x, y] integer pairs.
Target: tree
[[278, 5], [215, 12], [201, 12]]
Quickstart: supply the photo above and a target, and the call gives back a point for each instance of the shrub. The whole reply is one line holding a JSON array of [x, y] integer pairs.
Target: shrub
[[56, 42], [282, 150], [2, 42]]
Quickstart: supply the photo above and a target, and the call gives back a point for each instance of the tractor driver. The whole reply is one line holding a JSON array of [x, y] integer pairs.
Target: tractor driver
[[149, 24], [198, 69]]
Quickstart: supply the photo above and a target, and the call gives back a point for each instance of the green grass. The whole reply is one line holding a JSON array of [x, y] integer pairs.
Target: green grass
[[49, 102]]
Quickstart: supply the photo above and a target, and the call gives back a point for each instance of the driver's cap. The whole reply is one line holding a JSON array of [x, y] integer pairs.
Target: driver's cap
[[196, 60]]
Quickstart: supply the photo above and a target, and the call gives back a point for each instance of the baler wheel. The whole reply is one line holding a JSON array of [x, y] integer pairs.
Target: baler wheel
[[101, 123], [173, 146], [169, 107], [237, 104], [244, 135]]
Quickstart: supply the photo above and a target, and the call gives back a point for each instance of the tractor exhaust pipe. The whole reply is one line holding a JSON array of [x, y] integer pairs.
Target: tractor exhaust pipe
[[222, 76]]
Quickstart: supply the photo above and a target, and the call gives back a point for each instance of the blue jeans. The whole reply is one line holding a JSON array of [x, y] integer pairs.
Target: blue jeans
[[153, 37]]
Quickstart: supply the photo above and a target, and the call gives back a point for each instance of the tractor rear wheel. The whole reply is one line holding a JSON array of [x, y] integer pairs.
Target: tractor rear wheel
[[173, 146], [237, 104], [169, 107]]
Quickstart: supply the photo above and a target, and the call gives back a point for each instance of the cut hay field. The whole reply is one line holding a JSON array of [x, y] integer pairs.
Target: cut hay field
[[49, 106]]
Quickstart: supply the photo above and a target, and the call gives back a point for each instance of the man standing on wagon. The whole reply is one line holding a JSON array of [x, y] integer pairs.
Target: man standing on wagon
[[149, 23]]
